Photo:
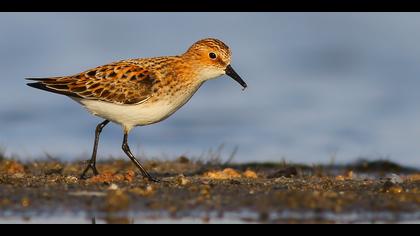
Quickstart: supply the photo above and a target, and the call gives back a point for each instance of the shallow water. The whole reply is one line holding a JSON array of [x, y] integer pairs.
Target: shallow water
[[244, 217], [322, 86]]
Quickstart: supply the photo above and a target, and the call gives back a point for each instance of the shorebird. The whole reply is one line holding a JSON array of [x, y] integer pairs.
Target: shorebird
[[144, 91]]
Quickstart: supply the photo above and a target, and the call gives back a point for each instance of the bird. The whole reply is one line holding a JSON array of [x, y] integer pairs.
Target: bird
[[142, 91]]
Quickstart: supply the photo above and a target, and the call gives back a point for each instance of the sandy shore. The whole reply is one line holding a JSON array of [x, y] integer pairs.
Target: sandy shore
[[196, 192]]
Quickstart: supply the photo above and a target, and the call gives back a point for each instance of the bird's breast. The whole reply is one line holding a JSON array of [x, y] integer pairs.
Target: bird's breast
[[159, 107]]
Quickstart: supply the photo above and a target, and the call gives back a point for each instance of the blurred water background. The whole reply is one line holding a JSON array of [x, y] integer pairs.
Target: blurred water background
[[322, 86]]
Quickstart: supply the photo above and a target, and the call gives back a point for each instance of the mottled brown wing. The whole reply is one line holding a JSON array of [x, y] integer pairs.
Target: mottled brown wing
[[120, 83]]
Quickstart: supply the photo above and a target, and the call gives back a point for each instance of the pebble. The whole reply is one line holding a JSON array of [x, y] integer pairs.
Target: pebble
[[72, 179], [18, 175], [182, 180], [395, 179], [113, 187], [250, 174]]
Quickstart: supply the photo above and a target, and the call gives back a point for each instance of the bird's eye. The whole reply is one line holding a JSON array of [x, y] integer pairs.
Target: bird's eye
[[212, 55]]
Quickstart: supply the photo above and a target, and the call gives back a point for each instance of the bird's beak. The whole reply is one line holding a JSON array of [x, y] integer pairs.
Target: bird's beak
[[231, 72]]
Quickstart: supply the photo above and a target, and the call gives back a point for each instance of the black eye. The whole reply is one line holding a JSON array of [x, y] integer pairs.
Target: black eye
[[212, 55]]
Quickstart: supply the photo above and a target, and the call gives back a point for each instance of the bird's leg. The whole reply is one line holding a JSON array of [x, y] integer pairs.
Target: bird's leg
[[92, 162], [127, 151]]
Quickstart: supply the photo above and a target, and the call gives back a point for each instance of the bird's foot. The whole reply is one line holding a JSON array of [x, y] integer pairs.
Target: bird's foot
[[89, 167], [152, 179]]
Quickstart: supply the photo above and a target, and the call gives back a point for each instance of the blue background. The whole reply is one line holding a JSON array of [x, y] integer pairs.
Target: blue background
[[322, 86]]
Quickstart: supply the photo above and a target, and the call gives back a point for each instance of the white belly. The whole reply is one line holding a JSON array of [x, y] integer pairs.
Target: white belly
[[130, 116]]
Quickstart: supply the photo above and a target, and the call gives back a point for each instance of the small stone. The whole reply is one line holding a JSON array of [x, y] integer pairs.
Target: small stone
[[149, 188], [106, 177], [340, 178], [113, 187], [250, 174], [227, 173], [231, 173], [129, 176], [182, 180], [395, 179], [348, 175], [72, 179]]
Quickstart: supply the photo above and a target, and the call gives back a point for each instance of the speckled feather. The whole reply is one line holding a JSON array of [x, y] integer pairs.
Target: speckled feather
[[124, 82]]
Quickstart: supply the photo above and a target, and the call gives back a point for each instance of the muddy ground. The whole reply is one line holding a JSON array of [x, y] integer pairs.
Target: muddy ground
[[195, 191]]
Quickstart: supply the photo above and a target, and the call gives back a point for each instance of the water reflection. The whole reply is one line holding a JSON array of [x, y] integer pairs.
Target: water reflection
[[244, 217]]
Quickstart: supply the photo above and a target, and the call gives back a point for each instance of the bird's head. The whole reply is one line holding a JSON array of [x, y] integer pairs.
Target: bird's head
[[211, 58]]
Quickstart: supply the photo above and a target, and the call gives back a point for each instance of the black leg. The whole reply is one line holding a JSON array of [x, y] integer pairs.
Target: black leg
[[92, 162], [127, 151]]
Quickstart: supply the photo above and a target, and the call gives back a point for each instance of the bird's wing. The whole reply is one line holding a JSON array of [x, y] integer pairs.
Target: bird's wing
[[121, 83]]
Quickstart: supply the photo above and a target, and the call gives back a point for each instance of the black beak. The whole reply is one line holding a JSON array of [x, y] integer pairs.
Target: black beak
[[231, 72]]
